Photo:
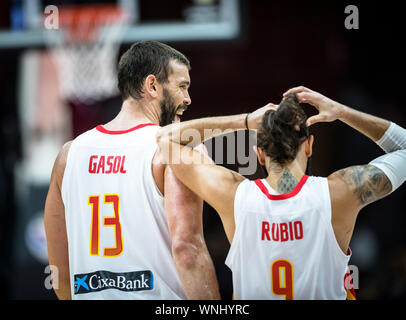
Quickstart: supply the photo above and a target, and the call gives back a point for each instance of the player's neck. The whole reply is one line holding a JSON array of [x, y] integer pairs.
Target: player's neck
[[285, 179], [133, 113]]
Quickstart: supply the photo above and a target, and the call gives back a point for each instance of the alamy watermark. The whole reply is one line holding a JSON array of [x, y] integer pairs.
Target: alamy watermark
[[52, 278], [352, 20], [51, 20], [229, 148], [352, 282]]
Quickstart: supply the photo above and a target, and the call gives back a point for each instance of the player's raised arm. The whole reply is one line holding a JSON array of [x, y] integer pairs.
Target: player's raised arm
[[214, 184], [353, 188], [194, 132], [382, 175], [330, 110]]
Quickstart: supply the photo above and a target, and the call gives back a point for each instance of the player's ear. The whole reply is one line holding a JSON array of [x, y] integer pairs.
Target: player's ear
[[260, 155], [151, 86], [309, 146]]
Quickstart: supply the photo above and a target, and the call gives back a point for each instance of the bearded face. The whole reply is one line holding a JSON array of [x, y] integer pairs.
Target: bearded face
[[169, 109]]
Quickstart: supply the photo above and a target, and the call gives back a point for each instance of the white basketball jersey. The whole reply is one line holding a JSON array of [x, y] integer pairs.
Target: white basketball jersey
[[118, 237], [284, 245]]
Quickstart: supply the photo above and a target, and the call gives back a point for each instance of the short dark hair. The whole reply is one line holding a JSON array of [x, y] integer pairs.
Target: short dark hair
[[142, 59], [283, 131]]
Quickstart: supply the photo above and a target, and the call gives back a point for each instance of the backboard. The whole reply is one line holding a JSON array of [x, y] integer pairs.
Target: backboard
[[162, 20]]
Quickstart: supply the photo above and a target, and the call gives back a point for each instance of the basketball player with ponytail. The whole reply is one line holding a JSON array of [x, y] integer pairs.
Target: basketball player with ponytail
[[290, 232]]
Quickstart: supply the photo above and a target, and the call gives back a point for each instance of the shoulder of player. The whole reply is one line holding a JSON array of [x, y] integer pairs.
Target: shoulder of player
[[60, 163], [63, 153], [237, 179], [363, 184], [341, 188]]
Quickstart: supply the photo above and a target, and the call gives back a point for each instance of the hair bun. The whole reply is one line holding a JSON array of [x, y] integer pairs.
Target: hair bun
[[283, 130]]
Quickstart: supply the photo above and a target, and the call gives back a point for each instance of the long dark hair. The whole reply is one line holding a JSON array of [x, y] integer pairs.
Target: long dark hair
[[283, 131]]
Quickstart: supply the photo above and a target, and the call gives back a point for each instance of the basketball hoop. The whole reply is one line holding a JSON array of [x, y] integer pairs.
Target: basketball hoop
[[85, 50]]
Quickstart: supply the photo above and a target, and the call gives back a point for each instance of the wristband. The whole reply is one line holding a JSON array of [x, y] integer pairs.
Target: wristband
[[246, 121]]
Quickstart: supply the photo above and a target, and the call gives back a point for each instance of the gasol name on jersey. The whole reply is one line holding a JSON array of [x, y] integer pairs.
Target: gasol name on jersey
[[107, 164], [102, 280]]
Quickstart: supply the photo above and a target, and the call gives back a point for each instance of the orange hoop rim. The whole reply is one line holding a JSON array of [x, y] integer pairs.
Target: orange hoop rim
[[82, 21]]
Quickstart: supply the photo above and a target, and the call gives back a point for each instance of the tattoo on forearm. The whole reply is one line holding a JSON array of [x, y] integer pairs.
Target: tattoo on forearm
[[369, 182], [287, 182]]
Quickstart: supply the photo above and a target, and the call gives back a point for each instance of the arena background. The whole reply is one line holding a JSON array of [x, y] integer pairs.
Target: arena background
[[279, 44]]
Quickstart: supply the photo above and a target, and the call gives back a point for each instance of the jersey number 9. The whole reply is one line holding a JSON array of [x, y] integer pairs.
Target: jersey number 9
[[282, 285]]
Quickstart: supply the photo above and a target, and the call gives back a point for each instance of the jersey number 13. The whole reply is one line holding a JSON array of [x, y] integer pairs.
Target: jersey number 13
[[94, 202]]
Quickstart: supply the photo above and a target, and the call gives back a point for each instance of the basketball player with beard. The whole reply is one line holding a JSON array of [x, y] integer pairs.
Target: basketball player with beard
[[119, 224]]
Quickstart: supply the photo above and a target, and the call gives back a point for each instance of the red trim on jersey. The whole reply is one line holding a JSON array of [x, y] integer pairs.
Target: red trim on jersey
[[103, 130], [284, 196], [351, 295]]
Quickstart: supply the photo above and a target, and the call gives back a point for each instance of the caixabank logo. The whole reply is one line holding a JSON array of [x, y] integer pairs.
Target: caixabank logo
[[103, 280]]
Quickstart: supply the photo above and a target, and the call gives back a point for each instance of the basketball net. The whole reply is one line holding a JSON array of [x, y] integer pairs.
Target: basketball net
[[85, 51]]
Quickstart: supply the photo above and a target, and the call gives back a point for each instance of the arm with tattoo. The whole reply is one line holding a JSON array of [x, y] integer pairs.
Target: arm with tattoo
[[368, 183], [382, 175], [353, 188]]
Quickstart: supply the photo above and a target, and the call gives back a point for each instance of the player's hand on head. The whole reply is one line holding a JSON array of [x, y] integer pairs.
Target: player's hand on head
[[255, 118], [329, 110]]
